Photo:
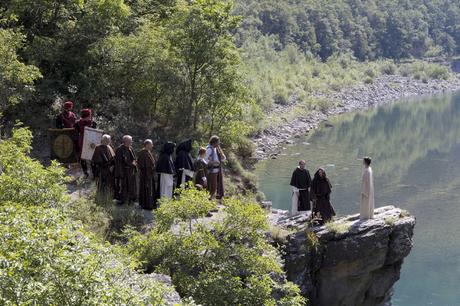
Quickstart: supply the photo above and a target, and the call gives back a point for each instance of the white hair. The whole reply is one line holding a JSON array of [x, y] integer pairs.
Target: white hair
[[126, 138], [148, 141], [106, 139]]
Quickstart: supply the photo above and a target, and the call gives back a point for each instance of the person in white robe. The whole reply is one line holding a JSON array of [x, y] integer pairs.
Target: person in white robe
[[367, 191], [166, 170]]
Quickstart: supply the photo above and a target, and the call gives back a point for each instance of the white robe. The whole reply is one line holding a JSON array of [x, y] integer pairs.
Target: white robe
[[166, 185], [186, 173], [367, 195], [295, 201]]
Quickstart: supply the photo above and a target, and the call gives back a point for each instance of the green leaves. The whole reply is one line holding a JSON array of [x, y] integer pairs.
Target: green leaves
[[16, 78], [224, 260]]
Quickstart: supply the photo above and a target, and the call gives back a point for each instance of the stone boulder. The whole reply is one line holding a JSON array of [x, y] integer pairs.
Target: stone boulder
[[347, 262]]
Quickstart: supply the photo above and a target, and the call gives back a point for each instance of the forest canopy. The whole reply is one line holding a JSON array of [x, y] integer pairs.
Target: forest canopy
[[175, 68]]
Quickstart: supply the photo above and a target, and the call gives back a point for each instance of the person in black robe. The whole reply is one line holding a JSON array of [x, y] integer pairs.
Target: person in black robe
[[184, 163], [165, 171], [103, 164], [125, 171], [146, 166], [301, 181], [321, 189]]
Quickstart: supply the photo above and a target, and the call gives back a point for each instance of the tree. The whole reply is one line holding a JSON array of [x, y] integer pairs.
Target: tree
[[17, 79], [225, 261]]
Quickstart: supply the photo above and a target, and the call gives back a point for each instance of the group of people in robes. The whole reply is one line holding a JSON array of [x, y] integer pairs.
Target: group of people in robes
[[315, 195], [141, 177]]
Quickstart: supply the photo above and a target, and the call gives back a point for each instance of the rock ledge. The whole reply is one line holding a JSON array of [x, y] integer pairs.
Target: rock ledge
[[347, 262]]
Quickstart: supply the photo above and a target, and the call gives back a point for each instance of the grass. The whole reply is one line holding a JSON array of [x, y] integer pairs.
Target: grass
[[312, 240], [338, 227], [390, 220], [278, 77], [279, 234]]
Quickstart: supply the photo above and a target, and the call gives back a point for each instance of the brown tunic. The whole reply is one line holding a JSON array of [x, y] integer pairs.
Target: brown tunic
[[125, 174], [146, 166], [104, 162], [201, 168]]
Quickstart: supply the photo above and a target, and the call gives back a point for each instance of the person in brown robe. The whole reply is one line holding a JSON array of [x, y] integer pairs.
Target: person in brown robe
[[201, 167], [321, 189], [104, 165], [146, 166], [125, 171]]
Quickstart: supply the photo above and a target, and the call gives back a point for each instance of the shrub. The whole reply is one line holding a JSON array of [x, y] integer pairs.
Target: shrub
[[46, 257], [368, 80], [388, 68], [337, 227], [24, 180], [224, 261], [48, 260]]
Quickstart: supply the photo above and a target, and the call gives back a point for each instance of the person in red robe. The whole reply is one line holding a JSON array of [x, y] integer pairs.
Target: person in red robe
[[66, 119], [86, 120]]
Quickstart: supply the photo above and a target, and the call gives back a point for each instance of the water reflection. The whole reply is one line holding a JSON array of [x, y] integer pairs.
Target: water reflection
[[416, 151]]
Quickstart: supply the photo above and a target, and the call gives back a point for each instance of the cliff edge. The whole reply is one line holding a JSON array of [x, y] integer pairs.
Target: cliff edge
[[347, 262]]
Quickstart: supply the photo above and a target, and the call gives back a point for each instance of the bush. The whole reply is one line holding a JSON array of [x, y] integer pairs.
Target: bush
[[48, 260], [224, 261], [388, 68], [368, 80], [46, 257]]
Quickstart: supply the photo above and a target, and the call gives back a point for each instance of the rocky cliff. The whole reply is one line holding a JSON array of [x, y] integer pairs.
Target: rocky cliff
[[347, 262]]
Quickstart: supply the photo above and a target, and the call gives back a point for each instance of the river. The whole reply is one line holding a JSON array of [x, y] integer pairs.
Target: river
[[415, 146]]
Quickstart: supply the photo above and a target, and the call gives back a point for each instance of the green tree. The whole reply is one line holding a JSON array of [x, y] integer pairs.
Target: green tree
[[225, 261]]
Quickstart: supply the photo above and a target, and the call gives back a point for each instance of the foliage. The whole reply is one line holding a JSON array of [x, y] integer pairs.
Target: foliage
[[189, 205], [16, 78], [46, 257], [24, 180], [369, 29], [224, 261], [338, 227], [48, 260]]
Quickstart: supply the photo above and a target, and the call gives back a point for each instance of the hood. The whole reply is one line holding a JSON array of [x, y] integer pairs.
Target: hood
[[185, 145], [168, 148]]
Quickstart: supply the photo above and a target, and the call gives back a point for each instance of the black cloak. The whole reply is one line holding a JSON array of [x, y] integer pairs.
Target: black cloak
[[165, 163]]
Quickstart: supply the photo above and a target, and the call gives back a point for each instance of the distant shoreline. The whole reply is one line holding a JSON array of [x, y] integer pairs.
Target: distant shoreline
[[385, 89]]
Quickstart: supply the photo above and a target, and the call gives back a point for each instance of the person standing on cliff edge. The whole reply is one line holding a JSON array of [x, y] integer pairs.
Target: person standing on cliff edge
[[367, 191], [300, 182]]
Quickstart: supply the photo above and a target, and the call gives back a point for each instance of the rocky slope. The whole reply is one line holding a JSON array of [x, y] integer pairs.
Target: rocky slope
[[348, 262]]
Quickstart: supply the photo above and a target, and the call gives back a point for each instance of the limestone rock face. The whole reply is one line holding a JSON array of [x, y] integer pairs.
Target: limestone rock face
[[348, 262]]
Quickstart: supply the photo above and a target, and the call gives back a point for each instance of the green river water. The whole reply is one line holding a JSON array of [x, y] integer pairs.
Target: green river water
[[415, 146]]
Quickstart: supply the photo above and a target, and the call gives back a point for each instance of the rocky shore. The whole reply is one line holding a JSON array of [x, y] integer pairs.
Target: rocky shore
[[385, 89]]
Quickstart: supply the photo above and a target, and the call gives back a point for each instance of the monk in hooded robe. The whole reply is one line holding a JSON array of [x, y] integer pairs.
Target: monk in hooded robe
[[125, 171], [367, 191], [321, 189], [184, 163], [165, 170], [300, 182], [146, 166], [104, 163]]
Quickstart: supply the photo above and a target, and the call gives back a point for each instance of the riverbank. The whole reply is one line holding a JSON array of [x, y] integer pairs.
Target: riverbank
[[384, 89]]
